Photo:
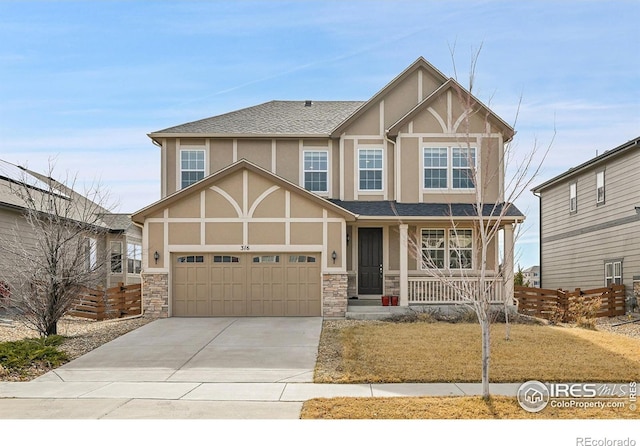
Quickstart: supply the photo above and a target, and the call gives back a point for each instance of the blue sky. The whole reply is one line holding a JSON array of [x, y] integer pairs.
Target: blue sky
[[84, 82]]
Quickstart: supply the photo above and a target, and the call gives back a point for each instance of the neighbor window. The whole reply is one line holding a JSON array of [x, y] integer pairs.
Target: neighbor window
[[600, 187], [435, 168], [116, 257], [91, 253], [134, 258], [573, 197], [613, 273], [370, 169], [191, 167], [316, 168]]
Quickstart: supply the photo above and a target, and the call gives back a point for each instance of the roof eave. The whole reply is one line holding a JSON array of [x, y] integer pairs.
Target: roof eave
[[156, 136]]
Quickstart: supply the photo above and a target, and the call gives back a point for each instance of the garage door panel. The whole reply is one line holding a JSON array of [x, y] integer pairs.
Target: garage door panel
[[270, 284]]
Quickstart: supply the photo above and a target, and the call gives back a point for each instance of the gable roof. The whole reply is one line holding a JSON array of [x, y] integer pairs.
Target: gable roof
[[281, 118], [450, 84], [420, 62], [242, 164], [623, 148]]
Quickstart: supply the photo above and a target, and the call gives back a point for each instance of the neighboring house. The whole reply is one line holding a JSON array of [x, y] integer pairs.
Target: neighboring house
[[531, 276], [292, 207], [590, 222], [120, 239]]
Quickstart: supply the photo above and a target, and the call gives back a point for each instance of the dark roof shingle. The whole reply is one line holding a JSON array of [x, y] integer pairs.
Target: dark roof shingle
[[393, 208]]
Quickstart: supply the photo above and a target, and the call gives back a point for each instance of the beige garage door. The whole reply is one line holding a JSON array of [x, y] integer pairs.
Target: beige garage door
[[286, 284]]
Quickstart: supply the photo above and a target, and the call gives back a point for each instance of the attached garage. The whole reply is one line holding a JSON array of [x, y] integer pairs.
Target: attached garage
[[260, 284]]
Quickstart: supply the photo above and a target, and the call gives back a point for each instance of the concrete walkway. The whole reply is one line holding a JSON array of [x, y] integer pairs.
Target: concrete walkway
[[214, 368]]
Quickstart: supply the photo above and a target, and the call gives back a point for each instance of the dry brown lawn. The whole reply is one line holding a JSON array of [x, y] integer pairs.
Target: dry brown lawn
[[376, 352], [446, 408]]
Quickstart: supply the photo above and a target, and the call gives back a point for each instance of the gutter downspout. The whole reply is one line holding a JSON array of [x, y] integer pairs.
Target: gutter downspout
[[539, 233]]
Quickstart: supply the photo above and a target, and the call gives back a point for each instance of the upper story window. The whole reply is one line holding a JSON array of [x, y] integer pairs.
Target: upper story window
[[134, 258], [449, 168], [191, 167], [463, 164], [600, 187], [573, 197], [316, 171], [370, 169], [435, 168]]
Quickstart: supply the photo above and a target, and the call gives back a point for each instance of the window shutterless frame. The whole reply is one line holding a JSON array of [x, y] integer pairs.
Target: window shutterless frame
[[447, 168], [315, 170], [370, 169], [600, 187], [573, 198], [192, 166]]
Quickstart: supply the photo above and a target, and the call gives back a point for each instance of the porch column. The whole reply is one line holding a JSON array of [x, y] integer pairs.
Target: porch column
[[404, 265], [507, 268]]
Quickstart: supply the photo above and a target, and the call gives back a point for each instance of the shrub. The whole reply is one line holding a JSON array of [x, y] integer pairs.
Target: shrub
[[20, 355]]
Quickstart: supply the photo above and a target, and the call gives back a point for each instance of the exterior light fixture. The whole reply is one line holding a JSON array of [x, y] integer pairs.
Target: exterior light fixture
[[156, 256], [334, 256]]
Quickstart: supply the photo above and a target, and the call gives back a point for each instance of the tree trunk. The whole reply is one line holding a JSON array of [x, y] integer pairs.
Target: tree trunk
[[486, 347], [52, 328]]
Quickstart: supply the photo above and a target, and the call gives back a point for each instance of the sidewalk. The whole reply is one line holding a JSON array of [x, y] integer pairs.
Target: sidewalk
[[49, 399]]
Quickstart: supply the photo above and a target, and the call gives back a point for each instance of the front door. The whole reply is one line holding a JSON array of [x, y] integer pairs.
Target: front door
[[370, 261]]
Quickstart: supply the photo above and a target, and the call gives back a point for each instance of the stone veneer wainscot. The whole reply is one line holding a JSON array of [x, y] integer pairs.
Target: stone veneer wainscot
[[155, 295], [334, 295]]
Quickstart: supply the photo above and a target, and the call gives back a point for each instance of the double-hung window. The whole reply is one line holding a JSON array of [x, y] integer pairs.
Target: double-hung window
[[463, 163], [600, 187], [316, 171], [613, 273], [191, 167], [573, 197], [435, 168], [370, 169], [451, 249], [91, 253], [451, 168], [116, 257], [134, 258]]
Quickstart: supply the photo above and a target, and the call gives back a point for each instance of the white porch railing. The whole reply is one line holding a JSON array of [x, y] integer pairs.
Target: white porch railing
[[432, 290]]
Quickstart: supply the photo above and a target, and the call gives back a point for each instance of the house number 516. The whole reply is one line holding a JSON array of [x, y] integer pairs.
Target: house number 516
[[244, 247]]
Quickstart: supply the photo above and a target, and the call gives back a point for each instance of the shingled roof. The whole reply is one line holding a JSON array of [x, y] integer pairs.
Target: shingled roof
[[282, 118], [394, 209]]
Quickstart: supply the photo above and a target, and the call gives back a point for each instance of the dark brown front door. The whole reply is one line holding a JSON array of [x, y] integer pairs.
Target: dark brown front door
[[370, 261]]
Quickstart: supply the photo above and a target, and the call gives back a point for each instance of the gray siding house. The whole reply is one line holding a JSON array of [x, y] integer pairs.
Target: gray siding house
[[120, 241], [590, 223]]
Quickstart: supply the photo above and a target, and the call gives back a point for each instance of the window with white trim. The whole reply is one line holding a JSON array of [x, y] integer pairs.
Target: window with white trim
[[91, 253], [600, 187], [116, 257], [452, 249], [450, 168], [463, 164], [613, 273], [460, 248], [573, 197], [134, 258], [435, 161], [191, 167], [370, 169], [316, 171]]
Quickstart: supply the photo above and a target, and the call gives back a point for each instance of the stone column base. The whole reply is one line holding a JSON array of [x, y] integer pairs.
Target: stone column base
[[155, 295], [334, 295]]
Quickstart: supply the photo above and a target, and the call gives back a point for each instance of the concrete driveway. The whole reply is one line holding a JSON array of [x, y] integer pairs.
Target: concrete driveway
[[205, 350]]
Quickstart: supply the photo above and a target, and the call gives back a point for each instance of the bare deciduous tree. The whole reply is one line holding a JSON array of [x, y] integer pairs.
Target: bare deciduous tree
[[495, 186], [55, 249]]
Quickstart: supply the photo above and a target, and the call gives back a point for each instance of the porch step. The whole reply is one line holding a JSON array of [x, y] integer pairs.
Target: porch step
[[374, 312]]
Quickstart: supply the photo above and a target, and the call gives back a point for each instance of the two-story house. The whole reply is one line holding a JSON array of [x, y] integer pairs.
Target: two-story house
[[590, 222], [292, 207], [531, 276]]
